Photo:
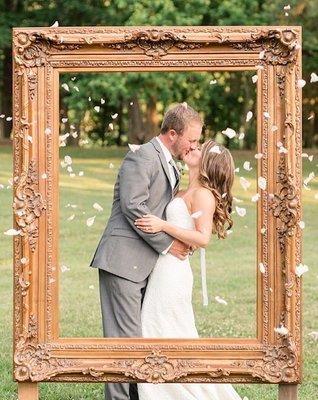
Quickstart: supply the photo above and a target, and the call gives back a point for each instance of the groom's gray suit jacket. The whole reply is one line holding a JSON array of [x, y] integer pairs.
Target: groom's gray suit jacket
[[142, 187]]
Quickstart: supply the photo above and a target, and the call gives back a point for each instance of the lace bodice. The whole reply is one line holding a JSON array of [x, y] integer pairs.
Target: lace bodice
[[178, 214]]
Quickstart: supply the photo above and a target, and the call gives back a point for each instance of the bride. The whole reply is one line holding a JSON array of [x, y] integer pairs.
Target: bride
[[192, 216]]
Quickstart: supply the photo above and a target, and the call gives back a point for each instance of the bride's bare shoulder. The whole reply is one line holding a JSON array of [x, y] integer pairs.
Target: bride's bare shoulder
[[203, 193]]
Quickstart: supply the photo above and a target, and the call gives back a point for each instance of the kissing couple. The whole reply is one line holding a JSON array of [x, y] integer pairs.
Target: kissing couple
[[145, 277]]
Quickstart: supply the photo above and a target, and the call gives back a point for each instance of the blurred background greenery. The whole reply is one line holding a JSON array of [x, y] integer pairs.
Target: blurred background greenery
[[140, 98]]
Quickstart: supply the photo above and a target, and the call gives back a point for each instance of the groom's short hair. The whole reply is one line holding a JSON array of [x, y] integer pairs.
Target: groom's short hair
[[178, 117]]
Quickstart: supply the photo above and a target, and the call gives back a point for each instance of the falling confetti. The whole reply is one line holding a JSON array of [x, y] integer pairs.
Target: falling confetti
[[313, 77], [301, 83], [281, 330], [229, 132], [255, 198], [240, 211], [98, 207], [71, 217], [241, 135], [213, 81], [64, 268], [258, 156], [55, 25], [12, 232], [90, 221], [249, 116], [254, 78], [65, 87], [215, 149], [114, 116], [97, 108], [244, 183], [247, 166], [266, 115], [262, 182], [301, 269], [196, 214], [220, 300], [261, 268], [134, 147], [68, 160], [301, 224]]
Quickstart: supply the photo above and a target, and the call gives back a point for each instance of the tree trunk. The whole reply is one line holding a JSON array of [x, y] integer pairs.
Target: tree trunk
[[6, 97], [135, 123], [152, 120]]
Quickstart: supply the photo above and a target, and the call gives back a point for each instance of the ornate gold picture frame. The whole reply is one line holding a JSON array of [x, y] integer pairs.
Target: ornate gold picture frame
[[40, 55]]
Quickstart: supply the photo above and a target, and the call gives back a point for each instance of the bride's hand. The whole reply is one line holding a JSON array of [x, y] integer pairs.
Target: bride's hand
[[150, 223]]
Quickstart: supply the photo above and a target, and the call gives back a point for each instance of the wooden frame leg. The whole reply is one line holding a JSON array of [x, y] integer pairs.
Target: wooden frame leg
[[28, 391], [287, 391]]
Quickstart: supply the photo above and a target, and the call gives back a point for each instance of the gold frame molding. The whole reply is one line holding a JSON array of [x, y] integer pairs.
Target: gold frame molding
[[39, 55]]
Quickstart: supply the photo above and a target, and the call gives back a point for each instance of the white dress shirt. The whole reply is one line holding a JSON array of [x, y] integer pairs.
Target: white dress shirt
[[168, 157]]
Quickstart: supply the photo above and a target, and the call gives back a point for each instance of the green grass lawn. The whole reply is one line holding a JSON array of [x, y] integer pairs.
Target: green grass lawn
[[231, 267]]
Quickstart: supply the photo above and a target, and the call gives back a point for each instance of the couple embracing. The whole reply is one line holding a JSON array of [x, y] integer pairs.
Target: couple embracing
[[145, 277]]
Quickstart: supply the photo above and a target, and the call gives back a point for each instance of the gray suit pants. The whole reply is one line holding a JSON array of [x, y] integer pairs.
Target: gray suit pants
[[121, 302]]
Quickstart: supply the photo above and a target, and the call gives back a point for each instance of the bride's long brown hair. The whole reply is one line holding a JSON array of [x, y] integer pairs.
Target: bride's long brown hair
[[216, 173]]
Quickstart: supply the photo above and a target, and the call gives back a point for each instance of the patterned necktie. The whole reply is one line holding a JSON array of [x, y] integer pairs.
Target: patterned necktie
[[177, 176]]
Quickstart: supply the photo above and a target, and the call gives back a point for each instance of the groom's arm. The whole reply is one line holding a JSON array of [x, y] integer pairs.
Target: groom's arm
[[135, 174]]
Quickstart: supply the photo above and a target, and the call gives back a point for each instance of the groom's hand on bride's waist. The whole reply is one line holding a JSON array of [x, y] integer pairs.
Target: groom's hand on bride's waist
[[179, 249]]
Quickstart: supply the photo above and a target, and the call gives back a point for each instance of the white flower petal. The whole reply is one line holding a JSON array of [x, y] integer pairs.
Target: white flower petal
[[98, 207], [64, 268], [111, 126], [301, 269], [196, 214], [97, 108], [68, 160], [310, 177], [313, 77], [314, 335], [282, 330], [247, 166], [261, 268], [215, 149], [134, 147], [240, 211], [71, 217], [301, 224], [262, 182], [249, 115], [241, 136], [65, 87], [258, 155], [229, 132], [244, 183], [55, 25], [266, 114], [255, 198], [220, 300], [301, 83], [254, 78], [90, 221], [114, 116], [213, 81], [12, 232]]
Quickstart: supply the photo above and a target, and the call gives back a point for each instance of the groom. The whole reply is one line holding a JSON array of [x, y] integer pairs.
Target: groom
[[147, 181]]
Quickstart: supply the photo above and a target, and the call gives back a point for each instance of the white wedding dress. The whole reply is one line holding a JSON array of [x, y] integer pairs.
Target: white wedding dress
[[167, 313]]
